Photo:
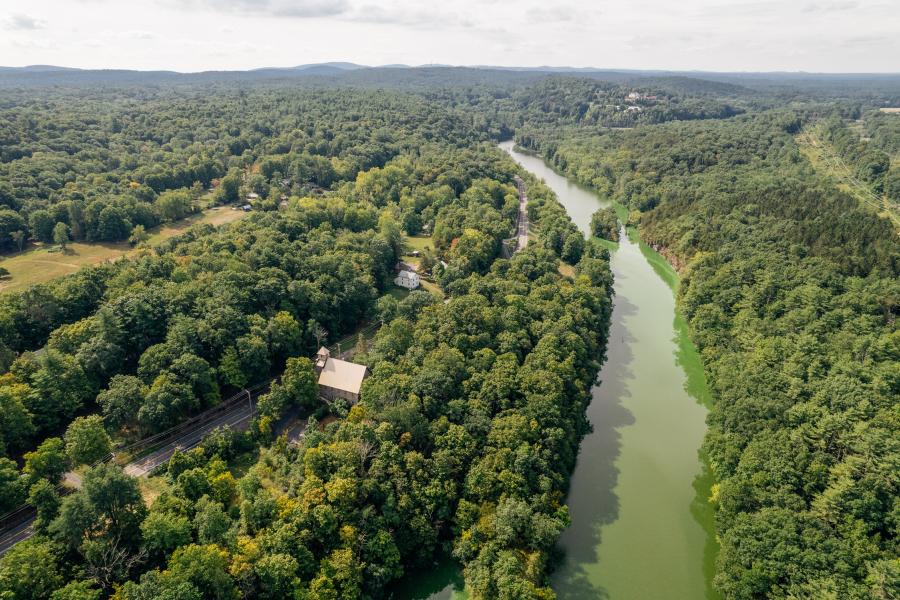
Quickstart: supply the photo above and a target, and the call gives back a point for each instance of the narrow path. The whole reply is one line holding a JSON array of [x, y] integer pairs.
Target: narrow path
[[522, 221]]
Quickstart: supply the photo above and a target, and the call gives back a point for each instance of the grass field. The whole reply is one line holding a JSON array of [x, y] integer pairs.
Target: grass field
[[398, 292], [566, 270], [824, 160], [431, 287], [608, 244], [213, 216], [152, 487], [42, 263], [418, 242]]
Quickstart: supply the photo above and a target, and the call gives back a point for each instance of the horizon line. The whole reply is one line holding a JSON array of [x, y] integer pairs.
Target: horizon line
[[358, 66]]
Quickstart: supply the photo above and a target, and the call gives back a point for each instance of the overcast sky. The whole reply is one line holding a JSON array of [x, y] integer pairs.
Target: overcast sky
[[194, 35]]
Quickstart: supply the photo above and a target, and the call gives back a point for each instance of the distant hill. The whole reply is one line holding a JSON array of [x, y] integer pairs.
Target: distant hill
[[352, 74], [343, 66], [38, 69], [328, 68], [695, 85]]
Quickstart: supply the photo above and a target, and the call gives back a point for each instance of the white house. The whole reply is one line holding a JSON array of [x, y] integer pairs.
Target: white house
[[407, 279], [339, 378]]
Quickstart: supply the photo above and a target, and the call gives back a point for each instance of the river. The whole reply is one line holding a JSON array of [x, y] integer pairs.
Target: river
[[642, 528]]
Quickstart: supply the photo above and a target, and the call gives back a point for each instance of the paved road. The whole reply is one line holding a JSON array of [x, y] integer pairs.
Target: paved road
[[16, 535], [238, 417]]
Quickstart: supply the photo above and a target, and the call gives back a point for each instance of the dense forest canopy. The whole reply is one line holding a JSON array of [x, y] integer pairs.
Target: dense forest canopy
[[792, 289], [470, 423], [432, 457], [106, 161]]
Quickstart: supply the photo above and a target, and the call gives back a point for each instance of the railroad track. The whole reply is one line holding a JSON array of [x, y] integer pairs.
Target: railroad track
[[235, 412]]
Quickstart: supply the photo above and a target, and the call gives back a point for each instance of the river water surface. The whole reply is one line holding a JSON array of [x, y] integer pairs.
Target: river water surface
[[642, 528]]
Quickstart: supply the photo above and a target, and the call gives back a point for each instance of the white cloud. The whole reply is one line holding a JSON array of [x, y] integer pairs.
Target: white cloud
[[23, 22], [560, 13], [280, 8], [830, 7], [192, 35]]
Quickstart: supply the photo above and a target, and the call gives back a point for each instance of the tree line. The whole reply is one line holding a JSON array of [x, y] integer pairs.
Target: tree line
[[474, 410], [105, 162], [791, 292]]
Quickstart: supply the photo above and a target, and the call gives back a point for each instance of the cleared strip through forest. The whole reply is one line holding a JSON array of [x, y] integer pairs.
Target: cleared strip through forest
[[823, 158]]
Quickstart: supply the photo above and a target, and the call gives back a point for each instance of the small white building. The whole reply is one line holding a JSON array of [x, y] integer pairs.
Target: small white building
[[339, 378], [407, 279]]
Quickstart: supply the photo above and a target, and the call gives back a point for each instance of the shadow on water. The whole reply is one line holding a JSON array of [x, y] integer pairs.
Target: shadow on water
[[647, 531], [596, 504], [444, 581], [704, 515]]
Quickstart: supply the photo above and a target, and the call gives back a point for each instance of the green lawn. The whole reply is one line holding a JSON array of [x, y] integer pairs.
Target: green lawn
[[398, 292], [608, 244], [40, 262], [432, 287], [419, 242], [566, 270]]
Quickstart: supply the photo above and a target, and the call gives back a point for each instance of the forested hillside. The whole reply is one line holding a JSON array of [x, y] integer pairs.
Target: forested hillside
[[791, 289], [469, 426], [103, 162], [470, 421]]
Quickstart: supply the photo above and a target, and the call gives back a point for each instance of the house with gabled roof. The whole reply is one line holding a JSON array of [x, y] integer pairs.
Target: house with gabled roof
[[338, 378], [407, 279]]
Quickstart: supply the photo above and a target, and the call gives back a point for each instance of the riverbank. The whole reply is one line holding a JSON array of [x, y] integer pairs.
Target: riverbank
[[642, 526]]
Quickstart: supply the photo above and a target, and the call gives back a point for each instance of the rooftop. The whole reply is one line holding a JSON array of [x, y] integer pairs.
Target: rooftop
[[342, 375]]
